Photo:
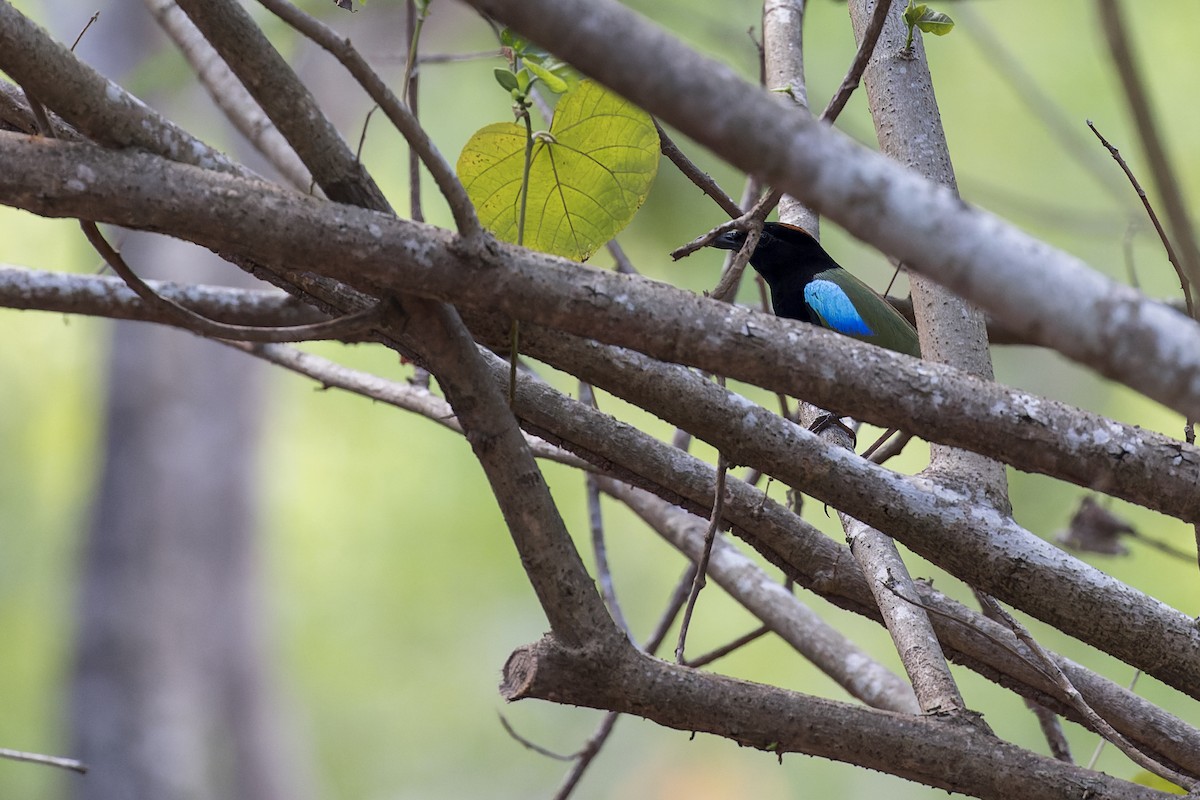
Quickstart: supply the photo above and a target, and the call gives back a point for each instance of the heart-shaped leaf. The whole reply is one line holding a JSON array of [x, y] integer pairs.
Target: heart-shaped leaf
[[587, 178]]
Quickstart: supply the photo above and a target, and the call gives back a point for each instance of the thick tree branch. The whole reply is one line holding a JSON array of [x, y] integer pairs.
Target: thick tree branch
[[779, 721], [375, 251], [806, 555], [286, 100], [94, 105]]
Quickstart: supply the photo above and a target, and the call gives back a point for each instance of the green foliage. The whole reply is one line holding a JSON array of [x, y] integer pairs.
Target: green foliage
[[587, 176], [928, 20]]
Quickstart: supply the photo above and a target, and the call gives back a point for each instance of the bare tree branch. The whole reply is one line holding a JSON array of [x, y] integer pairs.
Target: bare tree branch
[[96, 106], [1030, 432], [779, 721]]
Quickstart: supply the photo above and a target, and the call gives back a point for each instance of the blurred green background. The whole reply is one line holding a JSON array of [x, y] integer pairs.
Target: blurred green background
[[395, 594]]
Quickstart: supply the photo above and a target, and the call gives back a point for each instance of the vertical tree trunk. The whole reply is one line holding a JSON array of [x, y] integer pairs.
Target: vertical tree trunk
[[171, 696]]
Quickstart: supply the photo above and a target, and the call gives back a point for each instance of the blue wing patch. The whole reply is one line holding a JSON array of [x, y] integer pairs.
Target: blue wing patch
[[835, 308]]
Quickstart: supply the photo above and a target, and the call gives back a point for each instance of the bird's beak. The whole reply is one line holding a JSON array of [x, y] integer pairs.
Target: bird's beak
[[730, 240]]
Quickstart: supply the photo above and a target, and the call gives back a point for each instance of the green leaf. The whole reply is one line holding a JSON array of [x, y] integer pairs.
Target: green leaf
[[552, 81], [935, 22], [587, 177], [913, 13], [505, 78]]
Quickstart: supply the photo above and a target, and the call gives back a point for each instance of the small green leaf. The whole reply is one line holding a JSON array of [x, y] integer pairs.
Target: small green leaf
[[588, 176], [523, 79], [552, 81], [921, 16], [913, 13], [935, 22], [506, 79]]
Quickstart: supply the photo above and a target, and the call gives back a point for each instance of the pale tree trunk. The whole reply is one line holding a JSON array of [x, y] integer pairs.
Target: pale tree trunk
[[172, 695]]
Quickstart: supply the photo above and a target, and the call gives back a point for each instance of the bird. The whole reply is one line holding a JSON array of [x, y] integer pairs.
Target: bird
[[808, 285]]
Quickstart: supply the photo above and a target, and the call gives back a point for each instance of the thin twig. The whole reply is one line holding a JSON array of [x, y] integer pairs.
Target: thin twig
[[859, 65], [1100, 745], [1098, 723], [725, 650], [696, 175], [1180, 271], [91, 21], [727, 284], [883, 437], [1165, 176], [349, 326], [527, 744], [891, 449], [412, 28], [714, 525], [1049, 722], [586, 754], [410, 396], [453, 58], [413, 25], [678, 598], [1172, 256], [596, 523], [49, 761], [362, 134], [624, 265]]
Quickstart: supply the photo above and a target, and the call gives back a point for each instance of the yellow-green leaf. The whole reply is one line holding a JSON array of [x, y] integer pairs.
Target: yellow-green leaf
[[935, 22], [587, 178], [552, 81]]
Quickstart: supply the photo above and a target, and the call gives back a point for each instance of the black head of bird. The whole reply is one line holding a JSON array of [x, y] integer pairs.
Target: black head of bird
[[808, 285]]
